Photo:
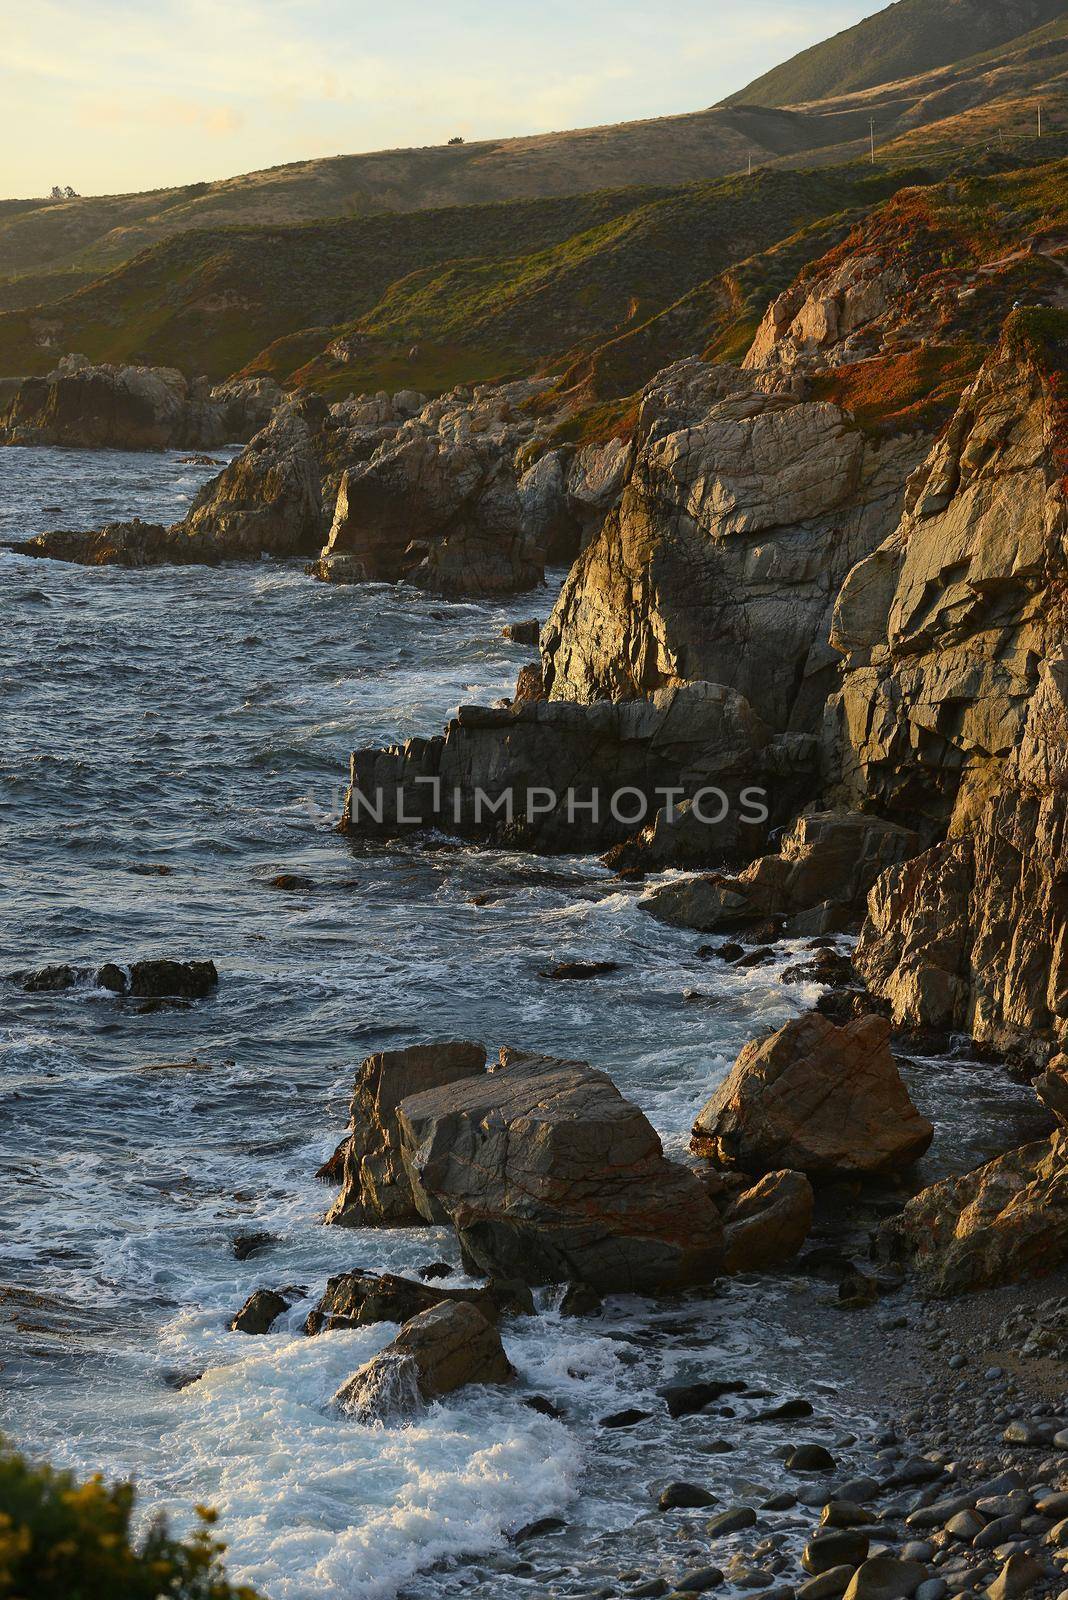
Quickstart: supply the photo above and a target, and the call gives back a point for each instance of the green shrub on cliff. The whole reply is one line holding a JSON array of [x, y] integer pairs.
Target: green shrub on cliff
[[65, 1540]]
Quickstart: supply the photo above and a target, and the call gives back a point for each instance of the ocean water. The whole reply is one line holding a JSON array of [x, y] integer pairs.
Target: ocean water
[[171, 741]]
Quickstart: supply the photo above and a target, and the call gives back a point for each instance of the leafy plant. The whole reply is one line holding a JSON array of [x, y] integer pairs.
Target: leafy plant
[[65, 1540]]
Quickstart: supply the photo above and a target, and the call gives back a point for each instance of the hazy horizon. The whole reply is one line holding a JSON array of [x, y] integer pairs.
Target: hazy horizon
[[113, 100]]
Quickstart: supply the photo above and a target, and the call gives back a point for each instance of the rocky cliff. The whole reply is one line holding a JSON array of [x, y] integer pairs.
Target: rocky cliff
[[954, 707], [82, 406]]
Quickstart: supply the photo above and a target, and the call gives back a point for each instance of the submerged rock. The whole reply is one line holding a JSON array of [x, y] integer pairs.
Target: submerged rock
[[549, 1175], [436, 1352], [260, 1312], [816, 1098], [158, 978]]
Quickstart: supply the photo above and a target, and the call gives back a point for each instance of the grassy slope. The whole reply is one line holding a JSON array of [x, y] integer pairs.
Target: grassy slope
[[910, 37]]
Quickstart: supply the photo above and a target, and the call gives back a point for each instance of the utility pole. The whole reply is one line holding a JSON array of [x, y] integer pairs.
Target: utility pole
[[750, 163], [872, 125]]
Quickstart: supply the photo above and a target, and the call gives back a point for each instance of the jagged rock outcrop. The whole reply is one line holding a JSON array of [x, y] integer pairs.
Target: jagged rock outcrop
[[442, 1349], [742, 514], [374, 1186], [357, 1299], [817, 1099], [450, 501], [83, 406], [953, 714], [549, 1175], [818, 882], [531, 773]]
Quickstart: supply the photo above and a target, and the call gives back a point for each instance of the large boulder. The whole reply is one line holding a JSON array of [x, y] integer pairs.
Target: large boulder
[[438, 1351], [549, 1175], [815, 1098], [1004, 1222], [356, 1299], [766, 1225], [375, 1188]]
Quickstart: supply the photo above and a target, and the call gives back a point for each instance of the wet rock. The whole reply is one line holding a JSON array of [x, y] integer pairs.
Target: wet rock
[[835, 1548], [685, 1496], [260, 1312], [699, 1580], [844, 1514], [580, 1301], [686, 1399], [829, 1585], [440, 1350], [536, 1530], [1019, 1576], [245, 1245], [812, 1458], [815, 1098], [356, 1299], [885, 1578], [785, 1411], [375, 1185], [523, 632], [543, 1406], [269, 499], [549, 1175], [165, 979], [732, 1521], [628, 1418], [291, 882], [434, 1270], [767, 1225], [577, 971]]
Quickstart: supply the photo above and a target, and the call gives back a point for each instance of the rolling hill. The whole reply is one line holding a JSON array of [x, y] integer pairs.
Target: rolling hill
[[907, 39]]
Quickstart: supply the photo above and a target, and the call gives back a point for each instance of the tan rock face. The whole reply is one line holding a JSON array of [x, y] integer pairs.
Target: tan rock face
[[549, 1175], [953, 716], [817, 1099], [742, 515], [375, 1187], [268, 500], [435, 1353], [826, 865], [767, 1224], [1005, 1221]]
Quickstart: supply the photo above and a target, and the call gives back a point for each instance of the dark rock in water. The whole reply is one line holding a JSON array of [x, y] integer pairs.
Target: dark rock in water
[[534, 1530], [436, 1269], [699, 1580], [729, 1522], [548, 1174], [48, 980], [783, 1412], [244, 1245], [376, 1187], [835, 1547], [810, 1458], [162, 979], [825, 967], [356, 1299], [685, 1399], [528, 632], [756, 958], [685, 1496], [580, 1301], [440, 1350], [259, 1312], [815, 1099], [728, 951], [625, 1419], [291, 882], [767, 1224], [543, 1406], [333, 1168], [578, 970], [179, 1379], [112, 976]]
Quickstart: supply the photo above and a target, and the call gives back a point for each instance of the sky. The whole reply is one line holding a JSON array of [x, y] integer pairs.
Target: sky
[[111, 96]]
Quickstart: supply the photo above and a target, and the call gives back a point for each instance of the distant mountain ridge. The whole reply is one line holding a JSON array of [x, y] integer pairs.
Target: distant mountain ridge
[[907, 38]]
